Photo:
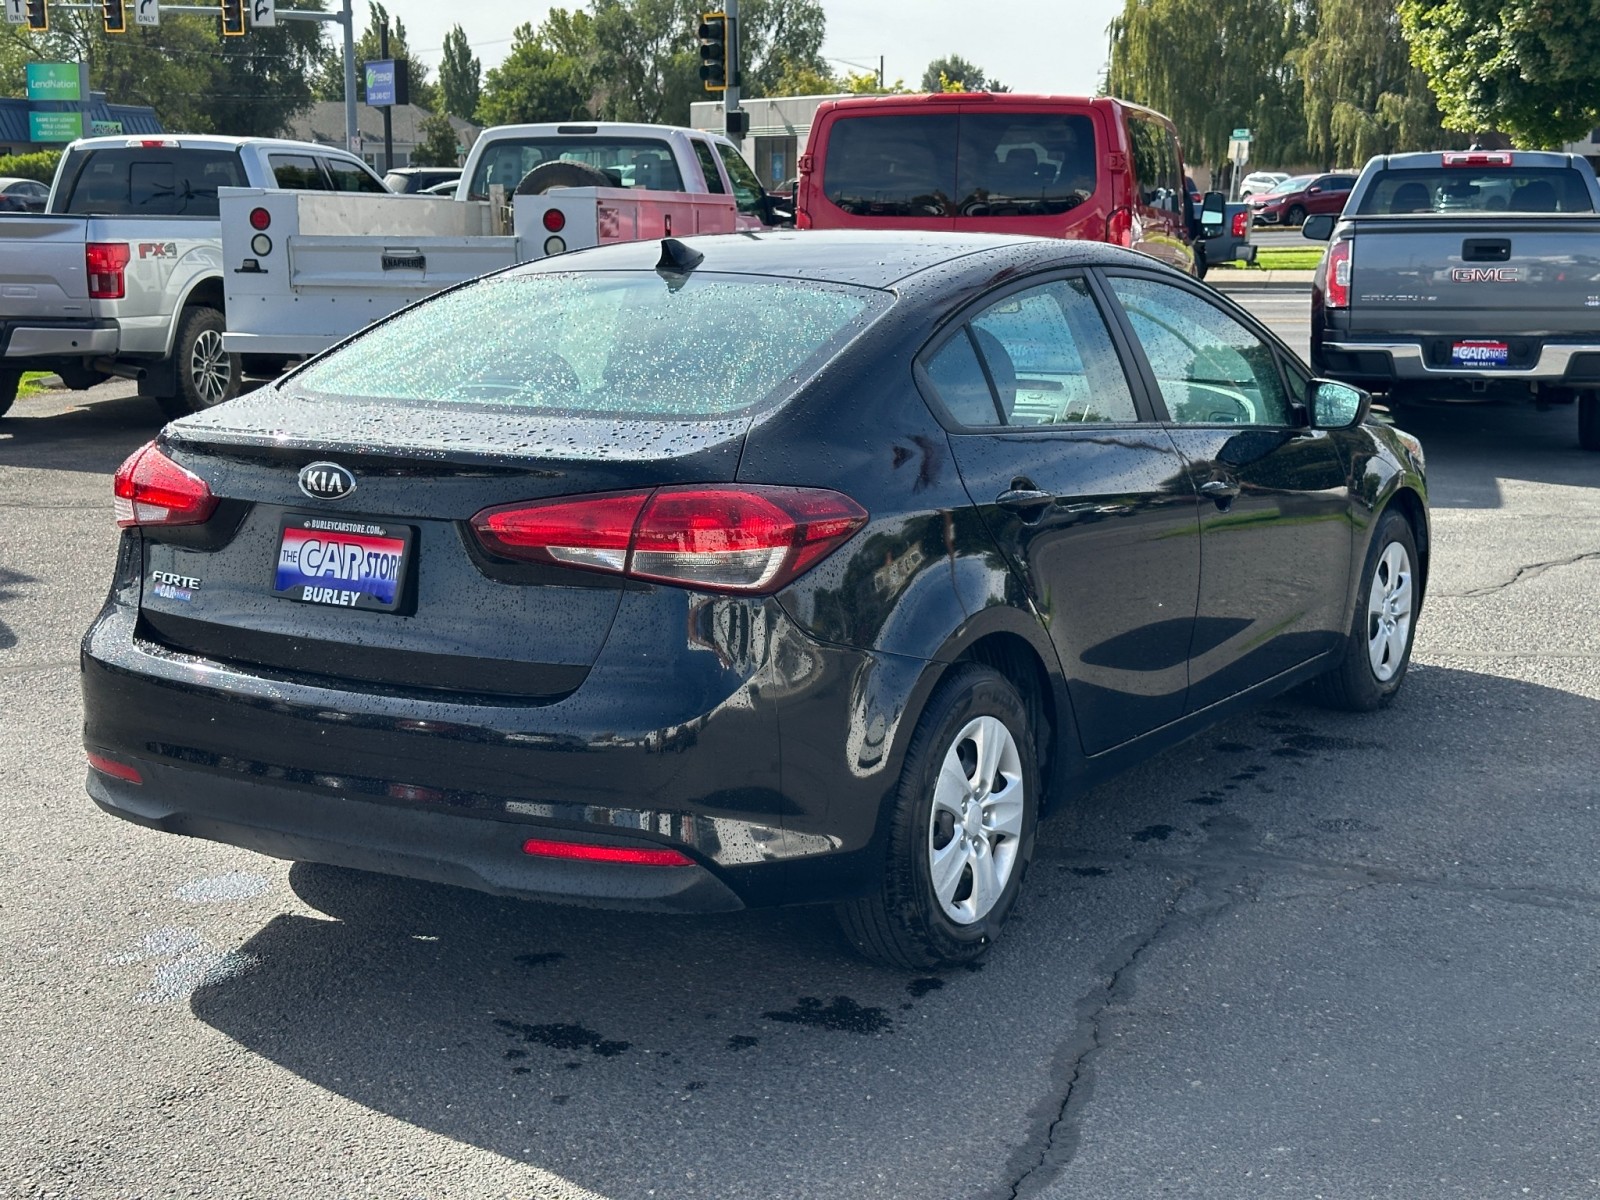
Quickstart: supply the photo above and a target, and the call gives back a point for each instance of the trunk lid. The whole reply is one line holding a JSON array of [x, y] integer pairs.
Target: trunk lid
[[464, 622]]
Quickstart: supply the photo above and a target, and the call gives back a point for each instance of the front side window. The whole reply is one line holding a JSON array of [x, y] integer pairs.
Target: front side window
[[1210, 369], [748, 193], [1044, 357], [708, 167], [348, 177], [628, 345]]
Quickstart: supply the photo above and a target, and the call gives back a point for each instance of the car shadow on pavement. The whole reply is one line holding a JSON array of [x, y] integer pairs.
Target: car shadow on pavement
[[1473, 448], [715, 1055], [10, 580], [92, 435]]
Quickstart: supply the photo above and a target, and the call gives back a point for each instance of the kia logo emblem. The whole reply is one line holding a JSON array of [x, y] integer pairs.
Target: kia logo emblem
[[326, 481]]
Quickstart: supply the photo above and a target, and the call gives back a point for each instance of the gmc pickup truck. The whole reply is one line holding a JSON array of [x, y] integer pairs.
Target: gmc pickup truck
[[1465, 276], [303, 272], [122, 272]]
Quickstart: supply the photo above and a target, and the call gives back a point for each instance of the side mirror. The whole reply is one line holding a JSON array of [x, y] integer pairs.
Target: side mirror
[[1337, 405], [1213, 211], [1318, 228]]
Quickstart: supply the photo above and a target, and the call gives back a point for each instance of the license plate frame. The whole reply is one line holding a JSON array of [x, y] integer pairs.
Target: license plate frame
[[1480, 353], [381, 585]]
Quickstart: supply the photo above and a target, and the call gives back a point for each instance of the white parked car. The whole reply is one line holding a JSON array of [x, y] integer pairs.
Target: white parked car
[[1260, 181]]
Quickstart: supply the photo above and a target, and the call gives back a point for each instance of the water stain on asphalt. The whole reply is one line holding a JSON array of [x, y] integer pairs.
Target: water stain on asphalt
[[187, 964], [1289, 752], [1208, 799], [1321, 741], [1345, 825], [740, 1041], [218, 889], [921, 987], [1233, 748], [538, 960], [1090, 872], [1154, 833], [564, 1037], [843, 1015]]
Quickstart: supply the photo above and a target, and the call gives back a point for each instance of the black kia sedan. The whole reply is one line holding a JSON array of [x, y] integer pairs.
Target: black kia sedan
[[760, 569]]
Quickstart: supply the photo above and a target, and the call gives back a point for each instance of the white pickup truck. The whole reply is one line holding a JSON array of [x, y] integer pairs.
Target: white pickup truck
[[304, 271], [122, 272]]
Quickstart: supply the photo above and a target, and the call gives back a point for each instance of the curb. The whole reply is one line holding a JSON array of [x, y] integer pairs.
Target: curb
[[1226, 280]]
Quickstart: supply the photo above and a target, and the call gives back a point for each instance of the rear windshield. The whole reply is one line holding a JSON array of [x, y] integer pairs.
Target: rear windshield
[[150, 181], [966, 165], [646, 163], [1477, 190], [617, 344]]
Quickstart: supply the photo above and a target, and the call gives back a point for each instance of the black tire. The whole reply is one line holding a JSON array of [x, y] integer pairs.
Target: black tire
[[1356, 684], [1295, 216], [80, 378], [10, 381], [561, 174], [206, 375], [1589, 420], [905, 923]]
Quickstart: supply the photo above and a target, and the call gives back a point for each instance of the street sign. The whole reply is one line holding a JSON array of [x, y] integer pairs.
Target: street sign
[[16, 12], [147, 12], [380, 83], [1241, 135], [263, 13]]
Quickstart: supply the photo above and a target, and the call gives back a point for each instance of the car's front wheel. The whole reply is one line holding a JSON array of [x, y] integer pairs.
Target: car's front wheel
[[961, 833], [1295, 216], [1378, 651]]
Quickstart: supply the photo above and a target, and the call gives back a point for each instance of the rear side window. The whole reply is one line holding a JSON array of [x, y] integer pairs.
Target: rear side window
[[149, 181], [967, 165], [629, 345], [297, 171], [1476, 190]]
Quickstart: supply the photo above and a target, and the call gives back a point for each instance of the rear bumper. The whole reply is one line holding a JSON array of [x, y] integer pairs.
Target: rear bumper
[[484, 855], [23, 339], [1573, 364]]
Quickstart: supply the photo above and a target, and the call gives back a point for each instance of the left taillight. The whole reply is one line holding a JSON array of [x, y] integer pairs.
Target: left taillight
[[151, 489], [1336, 284], [746, 540], [105, 263]]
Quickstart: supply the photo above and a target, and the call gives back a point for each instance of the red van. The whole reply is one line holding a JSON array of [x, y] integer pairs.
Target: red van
[[1097, 169]]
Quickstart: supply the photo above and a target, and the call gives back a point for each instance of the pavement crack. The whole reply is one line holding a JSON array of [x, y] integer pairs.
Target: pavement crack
[[29, 668], [1529, 571]]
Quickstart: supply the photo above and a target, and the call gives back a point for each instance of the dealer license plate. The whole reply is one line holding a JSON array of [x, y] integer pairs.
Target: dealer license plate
[[342, 563], [1480, 354]]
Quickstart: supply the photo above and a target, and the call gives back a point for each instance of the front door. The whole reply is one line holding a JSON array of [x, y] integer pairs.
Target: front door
[[1085, 496], [1276, 537]]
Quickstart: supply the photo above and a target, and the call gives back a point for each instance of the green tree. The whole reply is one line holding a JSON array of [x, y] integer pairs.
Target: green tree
[[778, 39], [536, 82], [952, 73], [805, 81], [438, 145], [1361, 94], [1530, 70], [329, 80], [460, 76]]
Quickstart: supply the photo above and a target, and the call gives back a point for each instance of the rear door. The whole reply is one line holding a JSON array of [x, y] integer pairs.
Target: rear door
[[1085, 496], [1328, 194], [1275, 530]]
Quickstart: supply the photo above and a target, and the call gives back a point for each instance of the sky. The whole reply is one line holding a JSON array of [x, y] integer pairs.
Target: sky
[[1030, 45]]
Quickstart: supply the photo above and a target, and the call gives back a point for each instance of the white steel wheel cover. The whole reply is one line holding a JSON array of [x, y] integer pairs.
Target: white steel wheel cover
[[1389, 612], [976, 824]]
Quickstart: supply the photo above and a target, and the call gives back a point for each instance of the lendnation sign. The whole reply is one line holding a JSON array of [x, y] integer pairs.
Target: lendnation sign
[[53, 81]]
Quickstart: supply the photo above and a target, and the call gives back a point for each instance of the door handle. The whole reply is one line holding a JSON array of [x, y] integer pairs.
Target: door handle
[[1028, 503], [1222, 491]]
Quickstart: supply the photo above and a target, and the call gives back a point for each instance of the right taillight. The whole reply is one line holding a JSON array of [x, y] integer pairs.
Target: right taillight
[[150, 489], [749, 540], [1241, 224], [1119, 227], [1336, 287], [105, 263]]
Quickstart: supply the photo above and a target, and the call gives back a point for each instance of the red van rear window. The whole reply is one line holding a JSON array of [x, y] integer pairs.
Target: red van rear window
[[966, 165]]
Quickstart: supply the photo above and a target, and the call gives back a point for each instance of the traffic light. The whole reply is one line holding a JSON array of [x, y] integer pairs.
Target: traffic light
[[232, 18], [38, 16], [714, 51], [116, 20]]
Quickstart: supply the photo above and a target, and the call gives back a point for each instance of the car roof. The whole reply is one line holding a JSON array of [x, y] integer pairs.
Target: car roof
[[206, 141], [862, 258]]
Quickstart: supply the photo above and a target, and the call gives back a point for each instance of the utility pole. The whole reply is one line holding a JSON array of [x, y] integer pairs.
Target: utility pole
[[388, 125], [734, 123]]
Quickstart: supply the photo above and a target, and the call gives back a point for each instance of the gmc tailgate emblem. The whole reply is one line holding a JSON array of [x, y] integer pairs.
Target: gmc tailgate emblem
[[1485, 274]]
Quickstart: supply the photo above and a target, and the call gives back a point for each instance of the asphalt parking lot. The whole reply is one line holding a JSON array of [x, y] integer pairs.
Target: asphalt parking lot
[[1304, 955]]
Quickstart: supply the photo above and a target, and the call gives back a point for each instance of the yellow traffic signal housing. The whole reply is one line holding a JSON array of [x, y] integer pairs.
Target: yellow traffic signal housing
[[714, 51], [116, 20], [232, 18], [38, 17]]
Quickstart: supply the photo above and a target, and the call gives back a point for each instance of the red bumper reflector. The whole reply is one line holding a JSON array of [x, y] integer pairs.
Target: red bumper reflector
[[114, 769], [611, 854]]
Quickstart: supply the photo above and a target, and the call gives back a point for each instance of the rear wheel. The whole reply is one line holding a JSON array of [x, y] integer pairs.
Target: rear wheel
[[1378, 650], [10, 381], [962, 830], [1589, 420], [207, 375]]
